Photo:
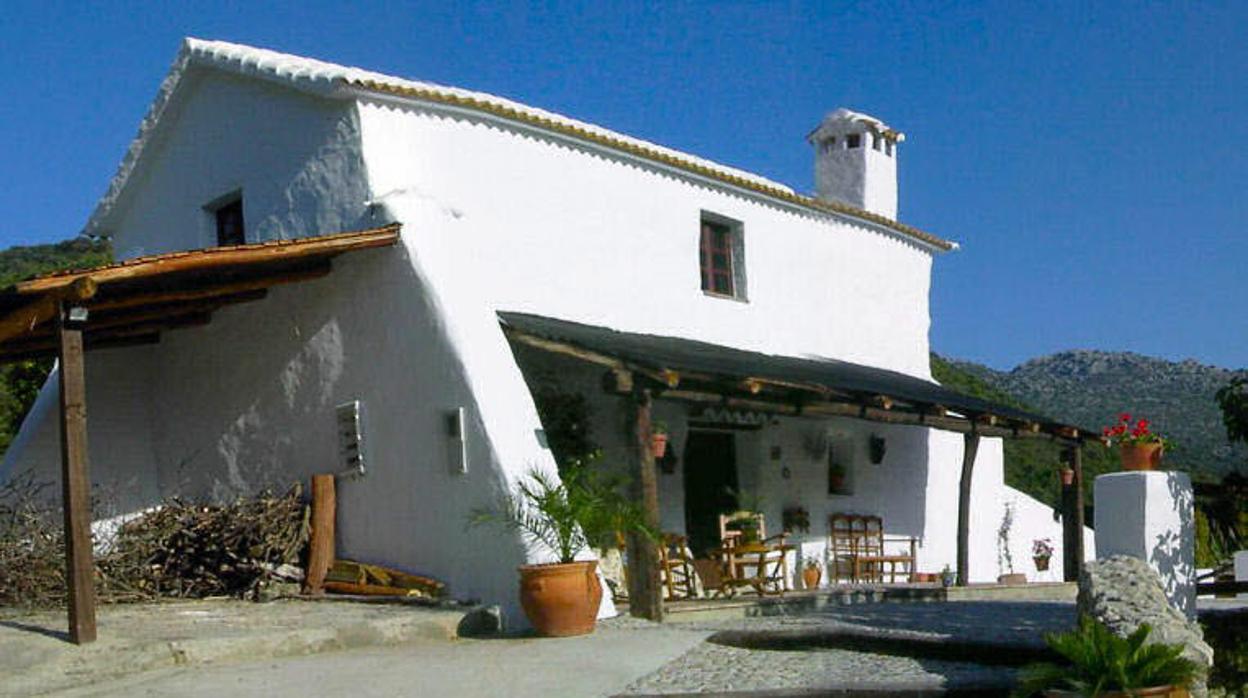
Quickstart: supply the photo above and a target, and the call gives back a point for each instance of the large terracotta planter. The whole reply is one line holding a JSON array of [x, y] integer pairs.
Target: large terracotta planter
[[1140, 456], [1012, 579], [811, 577], [560, 599]]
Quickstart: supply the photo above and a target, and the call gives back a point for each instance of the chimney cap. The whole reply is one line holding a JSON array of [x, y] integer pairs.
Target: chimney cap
[[841, 117]]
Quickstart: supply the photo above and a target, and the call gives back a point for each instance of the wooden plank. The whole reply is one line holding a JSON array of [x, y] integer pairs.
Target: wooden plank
[[216, 258], [214, 291], [1077, 465], [76, 485], [645, 596], [321, 543], [970, 443]]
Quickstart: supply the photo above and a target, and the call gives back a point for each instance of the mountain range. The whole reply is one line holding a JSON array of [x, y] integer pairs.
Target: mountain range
[[1091, 388]]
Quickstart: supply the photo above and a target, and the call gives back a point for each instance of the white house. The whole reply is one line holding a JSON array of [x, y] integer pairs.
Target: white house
[[570, 231]]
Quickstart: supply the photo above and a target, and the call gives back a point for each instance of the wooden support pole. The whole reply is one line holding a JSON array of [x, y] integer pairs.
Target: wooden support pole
[[969, 449], [76, 483], [1072, 517], [645, 597], [321, 541]]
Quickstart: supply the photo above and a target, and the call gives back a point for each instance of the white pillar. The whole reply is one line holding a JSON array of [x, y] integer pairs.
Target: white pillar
[[1149, 515], [1241, 569]]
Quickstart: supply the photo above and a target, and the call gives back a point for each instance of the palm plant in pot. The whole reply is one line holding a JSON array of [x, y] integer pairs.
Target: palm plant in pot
[[1139, 447], [1099, 663], [565, 515]]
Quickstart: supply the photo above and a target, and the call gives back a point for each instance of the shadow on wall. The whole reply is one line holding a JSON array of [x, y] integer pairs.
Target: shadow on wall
[[1173, 552], [248, 403]]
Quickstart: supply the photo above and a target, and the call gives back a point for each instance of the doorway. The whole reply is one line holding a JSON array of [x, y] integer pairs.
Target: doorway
[[710, 479]]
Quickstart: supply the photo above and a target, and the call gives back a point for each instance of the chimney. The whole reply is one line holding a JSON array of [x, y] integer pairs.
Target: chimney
[[856, 161]]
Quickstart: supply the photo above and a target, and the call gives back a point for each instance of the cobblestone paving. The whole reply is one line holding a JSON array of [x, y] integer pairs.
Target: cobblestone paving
[[712, 667]]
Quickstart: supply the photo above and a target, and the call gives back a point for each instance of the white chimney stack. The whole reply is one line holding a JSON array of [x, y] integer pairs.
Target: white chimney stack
[[856, 161]]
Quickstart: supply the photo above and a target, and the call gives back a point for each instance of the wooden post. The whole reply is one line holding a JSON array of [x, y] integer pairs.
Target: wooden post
[[321, 539], [1072, 517], [969, 448], [76, 483], [645, 597]]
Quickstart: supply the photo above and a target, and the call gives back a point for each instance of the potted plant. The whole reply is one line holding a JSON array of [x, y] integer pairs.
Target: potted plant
[[566, 516], [1041, 553], [812, 572], [1099, 663], [658, 439], [1139, 447], [796, 520], [1005, 558], [947, 577]]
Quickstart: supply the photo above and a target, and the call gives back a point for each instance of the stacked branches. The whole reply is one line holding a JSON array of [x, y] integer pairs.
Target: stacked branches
[[176, 550]]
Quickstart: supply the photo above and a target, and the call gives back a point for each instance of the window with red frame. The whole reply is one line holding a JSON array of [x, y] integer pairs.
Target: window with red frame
[[716, 253]]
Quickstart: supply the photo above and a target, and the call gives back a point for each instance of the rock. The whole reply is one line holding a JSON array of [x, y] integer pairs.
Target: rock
[[1123, 592]]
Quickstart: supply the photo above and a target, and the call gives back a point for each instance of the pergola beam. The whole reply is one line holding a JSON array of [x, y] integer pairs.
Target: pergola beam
[[970, 448]]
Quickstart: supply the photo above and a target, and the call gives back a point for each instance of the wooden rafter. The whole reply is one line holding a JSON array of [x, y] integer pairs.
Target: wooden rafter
[[777, 396]]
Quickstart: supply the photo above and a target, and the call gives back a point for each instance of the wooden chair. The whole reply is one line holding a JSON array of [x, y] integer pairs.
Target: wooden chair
[[762, 565], [856, 549], [676, 568]]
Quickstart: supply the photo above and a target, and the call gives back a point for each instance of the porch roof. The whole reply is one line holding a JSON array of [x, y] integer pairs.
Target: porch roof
[[695, 371], [132, 302]]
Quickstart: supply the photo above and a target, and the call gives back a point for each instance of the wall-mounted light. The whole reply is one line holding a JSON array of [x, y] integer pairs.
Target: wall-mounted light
[[457, 431]]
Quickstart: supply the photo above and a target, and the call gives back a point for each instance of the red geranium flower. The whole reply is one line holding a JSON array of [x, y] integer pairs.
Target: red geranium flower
[[1124, 417]]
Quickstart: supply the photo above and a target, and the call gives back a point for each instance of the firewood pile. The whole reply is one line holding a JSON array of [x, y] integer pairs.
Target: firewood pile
[[179, 549]]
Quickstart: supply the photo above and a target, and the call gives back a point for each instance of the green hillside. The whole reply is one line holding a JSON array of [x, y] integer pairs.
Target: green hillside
[[1031, 465], [20, 382]]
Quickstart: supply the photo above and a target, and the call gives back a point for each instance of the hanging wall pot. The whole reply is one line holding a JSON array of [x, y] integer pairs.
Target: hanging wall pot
[[877, 447]]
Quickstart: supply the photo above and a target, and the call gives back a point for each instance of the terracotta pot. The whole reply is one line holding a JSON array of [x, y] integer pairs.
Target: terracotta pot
[[1068, 477], [658, 445], [1042, 563], [560, 599], [1012, 579], [811, 577], [1140, 456]]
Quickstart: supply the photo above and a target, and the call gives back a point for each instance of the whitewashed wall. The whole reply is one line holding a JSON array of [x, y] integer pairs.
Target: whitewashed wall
[[295, 157], [561, 231], [119, 418]]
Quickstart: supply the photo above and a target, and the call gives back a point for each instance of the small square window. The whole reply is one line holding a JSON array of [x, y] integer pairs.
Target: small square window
[[229, 220], [876, 141], [853, 140], [720, 255], [829, 144]]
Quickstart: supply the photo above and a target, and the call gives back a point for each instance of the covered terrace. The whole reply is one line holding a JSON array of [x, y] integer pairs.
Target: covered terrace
[[641, 368]]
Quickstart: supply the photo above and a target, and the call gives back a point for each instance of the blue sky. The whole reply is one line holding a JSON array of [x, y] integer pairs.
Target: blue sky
[[1091, 158]]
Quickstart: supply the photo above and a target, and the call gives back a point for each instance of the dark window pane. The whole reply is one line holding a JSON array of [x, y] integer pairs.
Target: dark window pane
[[230, 230]]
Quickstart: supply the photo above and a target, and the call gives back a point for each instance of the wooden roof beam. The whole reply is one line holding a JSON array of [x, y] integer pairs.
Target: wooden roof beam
[[315, 271], [44, 309], [216, 258]]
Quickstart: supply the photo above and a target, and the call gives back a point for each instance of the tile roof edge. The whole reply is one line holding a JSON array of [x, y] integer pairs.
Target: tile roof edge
[[334, 80]]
